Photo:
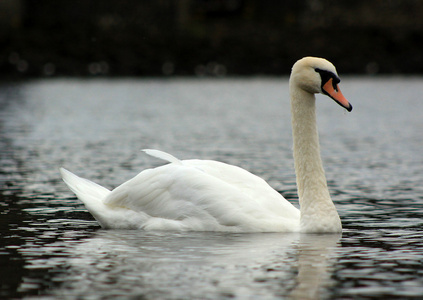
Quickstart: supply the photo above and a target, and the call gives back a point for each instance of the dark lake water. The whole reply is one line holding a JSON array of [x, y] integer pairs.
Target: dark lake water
[[52, 248]]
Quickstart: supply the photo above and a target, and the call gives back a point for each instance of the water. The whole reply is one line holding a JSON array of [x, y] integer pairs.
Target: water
[[51, 247]]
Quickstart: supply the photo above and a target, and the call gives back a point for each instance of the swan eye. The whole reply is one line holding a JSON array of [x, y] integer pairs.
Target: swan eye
[[326, 75]]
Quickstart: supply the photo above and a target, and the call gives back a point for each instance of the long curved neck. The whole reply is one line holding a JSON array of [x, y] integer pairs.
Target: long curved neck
[[308, 164], [315, 202]]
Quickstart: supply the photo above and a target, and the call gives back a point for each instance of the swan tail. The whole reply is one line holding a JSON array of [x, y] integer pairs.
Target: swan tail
[[87, 191], [162, 155]]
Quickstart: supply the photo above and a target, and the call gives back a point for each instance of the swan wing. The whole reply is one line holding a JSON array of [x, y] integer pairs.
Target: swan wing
[[244, 181], [248, 183], [197, 195]]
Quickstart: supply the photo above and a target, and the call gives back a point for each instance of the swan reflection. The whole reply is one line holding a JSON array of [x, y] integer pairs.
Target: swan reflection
[[315, 265], [206, 265]]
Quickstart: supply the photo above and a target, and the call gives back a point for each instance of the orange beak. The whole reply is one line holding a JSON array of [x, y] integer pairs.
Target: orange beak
[[333, 91]]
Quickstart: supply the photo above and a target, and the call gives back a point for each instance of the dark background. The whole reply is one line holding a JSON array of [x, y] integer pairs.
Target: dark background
[[207, 37]]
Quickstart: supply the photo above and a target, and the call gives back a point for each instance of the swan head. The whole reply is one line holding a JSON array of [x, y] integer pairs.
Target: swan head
[[317, 75]]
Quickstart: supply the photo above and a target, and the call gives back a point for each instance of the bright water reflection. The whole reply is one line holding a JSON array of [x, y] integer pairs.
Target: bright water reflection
[[190, 265], [51, 247]]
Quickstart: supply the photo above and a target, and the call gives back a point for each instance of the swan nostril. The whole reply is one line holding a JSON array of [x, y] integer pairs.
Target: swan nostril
[[335, 86]]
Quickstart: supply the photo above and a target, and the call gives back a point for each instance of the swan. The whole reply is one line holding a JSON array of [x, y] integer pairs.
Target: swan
[[207, 195]]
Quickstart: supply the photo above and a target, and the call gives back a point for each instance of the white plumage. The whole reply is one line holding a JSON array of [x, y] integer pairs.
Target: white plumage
[[202, 195], [205, 195]]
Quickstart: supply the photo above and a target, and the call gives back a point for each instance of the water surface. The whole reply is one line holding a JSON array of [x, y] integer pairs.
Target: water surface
[[51, 246]]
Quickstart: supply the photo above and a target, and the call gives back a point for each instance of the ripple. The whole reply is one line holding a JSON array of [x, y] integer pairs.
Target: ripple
[[51, 246]]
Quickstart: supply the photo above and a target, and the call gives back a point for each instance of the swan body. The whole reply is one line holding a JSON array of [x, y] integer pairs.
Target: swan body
[[206, 195], [201, 195]]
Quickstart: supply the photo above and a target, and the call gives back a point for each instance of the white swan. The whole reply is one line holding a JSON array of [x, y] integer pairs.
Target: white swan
[[205, 195]]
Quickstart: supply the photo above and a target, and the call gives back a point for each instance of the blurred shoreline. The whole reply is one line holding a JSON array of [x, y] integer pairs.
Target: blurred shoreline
[[206, 37]]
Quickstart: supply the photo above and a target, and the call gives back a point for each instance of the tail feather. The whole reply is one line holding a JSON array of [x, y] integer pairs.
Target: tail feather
[[93, 196], [87, 191]]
